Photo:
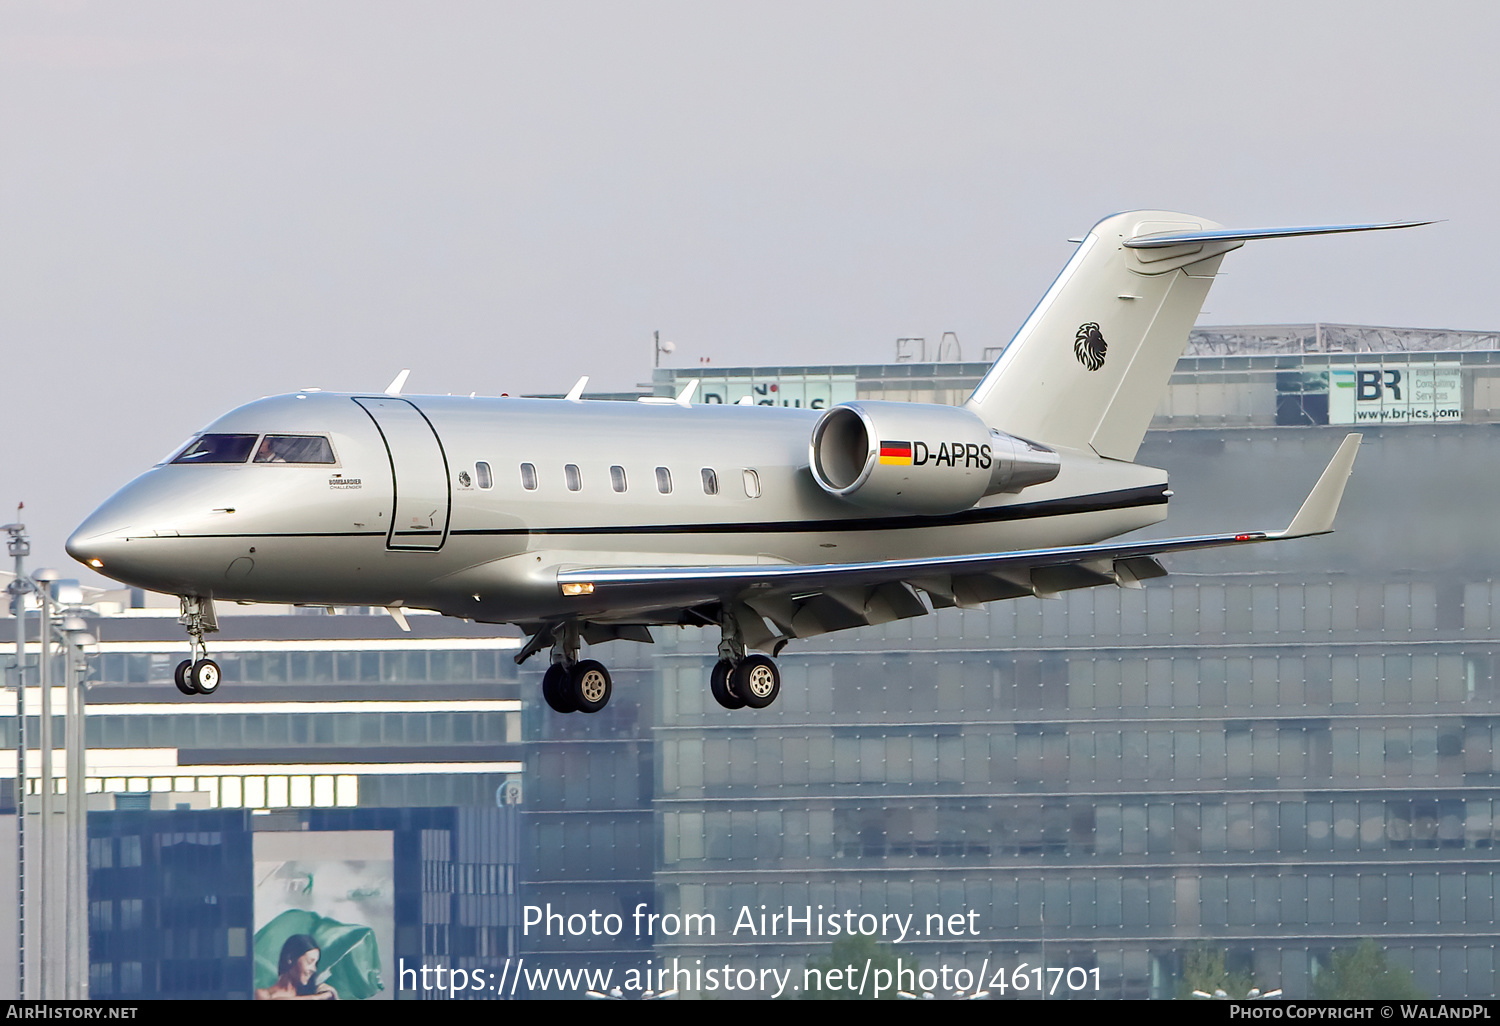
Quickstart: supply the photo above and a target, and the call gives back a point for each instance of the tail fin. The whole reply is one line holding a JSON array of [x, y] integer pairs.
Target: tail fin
[[1089, 366]]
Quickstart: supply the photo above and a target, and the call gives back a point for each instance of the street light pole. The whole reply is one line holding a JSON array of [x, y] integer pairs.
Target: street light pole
[[42, 585], [19, 546], [75, 637]]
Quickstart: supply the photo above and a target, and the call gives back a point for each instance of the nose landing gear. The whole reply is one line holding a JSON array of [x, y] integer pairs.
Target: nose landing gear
[[198, 674]]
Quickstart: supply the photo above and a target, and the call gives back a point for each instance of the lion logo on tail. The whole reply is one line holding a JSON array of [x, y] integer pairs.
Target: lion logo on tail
[[1089, 346]]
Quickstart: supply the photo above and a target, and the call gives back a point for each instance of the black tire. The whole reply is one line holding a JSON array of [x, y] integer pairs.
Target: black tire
[[756, 681], [205, 676], [555, 689], [180, 678], [718, 686], [589, 686]]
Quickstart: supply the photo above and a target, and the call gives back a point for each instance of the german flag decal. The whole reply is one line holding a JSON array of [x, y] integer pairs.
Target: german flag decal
[[895, 453]]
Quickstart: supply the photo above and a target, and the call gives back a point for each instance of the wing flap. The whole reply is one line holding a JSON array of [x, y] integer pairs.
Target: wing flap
[[977, 589], [1050, 581], [1130, 573]]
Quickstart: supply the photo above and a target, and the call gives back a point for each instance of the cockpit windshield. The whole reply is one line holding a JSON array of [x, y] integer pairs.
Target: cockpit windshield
[[294, 449], [217, 449], [272, 449]]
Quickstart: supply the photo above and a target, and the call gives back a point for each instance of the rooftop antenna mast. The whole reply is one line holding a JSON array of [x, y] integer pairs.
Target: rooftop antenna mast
[[662, 347]]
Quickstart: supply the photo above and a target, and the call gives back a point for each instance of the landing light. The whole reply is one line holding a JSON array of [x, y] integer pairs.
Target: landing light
[[577, 589], [97, 564]]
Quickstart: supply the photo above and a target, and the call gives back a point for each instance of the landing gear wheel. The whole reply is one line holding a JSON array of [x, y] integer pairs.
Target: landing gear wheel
[[204, 676], [180, 678], [589, 686], [718, 685], [756, 681], [555, 689]]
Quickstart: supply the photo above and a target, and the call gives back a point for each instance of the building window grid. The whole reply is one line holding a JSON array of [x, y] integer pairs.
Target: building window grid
[[278, 667], [1477, 746], [1364, 699]]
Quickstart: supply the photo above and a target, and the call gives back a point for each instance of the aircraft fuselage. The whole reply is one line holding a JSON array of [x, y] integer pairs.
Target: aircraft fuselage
[[469, 505]]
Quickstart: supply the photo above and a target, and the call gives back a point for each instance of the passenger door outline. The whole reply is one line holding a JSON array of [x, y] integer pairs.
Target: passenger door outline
[[422, 509]]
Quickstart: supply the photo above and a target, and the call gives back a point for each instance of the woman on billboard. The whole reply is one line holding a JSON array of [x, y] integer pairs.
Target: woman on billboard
[[297, 970]]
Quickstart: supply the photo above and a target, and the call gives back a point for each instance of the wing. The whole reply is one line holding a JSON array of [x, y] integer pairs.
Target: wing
[[802, 600]]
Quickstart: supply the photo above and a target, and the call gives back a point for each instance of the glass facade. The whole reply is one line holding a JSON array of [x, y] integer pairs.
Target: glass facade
[[1275, 751]]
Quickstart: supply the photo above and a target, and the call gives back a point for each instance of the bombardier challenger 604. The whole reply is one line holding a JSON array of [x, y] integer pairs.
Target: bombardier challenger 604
[[588, 521]]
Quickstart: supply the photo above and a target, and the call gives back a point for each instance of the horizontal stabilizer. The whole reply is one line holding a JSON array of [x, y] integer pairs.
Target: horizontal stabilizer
[[1162, 240]]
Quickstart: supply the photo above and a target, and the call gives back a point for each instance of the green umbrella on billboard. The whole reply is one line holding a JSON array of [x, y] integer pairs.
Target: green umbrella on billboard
[[349, 959]]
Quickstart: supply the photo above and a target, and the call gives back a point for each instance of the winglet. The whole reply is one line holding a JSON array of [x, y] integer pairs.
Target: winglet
[[576, 392], [397, 383], [1317, 513]]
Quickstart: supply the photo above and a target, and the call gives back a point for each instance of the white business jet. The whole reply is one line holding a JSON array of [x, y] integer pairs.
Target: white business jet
[[591, 521]]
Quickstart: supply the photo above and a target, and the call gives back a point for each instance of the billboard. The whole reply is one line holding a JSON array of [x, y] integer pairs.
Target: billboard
[[325, 914], [1395, 393]]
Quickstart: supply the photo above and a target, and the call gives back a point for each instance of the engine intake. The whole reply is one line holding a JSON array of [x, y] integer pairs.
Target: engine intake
[[920, 458]]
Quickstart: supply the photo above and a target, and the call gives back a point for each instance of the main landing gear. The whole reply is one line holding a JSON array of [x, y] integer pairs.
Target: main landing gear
[[198, 674], [740, 680], [571, 684], [754, 681]]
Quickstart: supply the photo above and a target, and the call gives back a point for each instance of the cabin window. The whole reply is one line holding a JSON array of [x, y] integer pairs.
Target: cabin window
[[752, 484], [482, 475], [617, 478], [574, 478], [710, 481], [218, 449], [294, 449], [528, 476], [664, 480]]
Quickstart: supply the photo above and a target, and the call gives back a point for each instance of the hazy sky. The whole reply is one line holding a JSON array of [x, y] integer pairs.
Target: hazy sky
[[203, 203]]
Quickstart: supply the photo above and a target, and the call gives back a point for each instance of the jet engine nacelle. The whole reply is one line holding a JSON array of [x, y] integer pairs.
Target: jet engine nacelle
[[920, 458]]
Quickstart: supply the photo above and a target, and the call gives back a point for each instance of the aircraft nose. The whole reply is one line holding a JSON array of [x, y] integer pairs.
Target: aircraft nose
[[95, 548], [100, 541]]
